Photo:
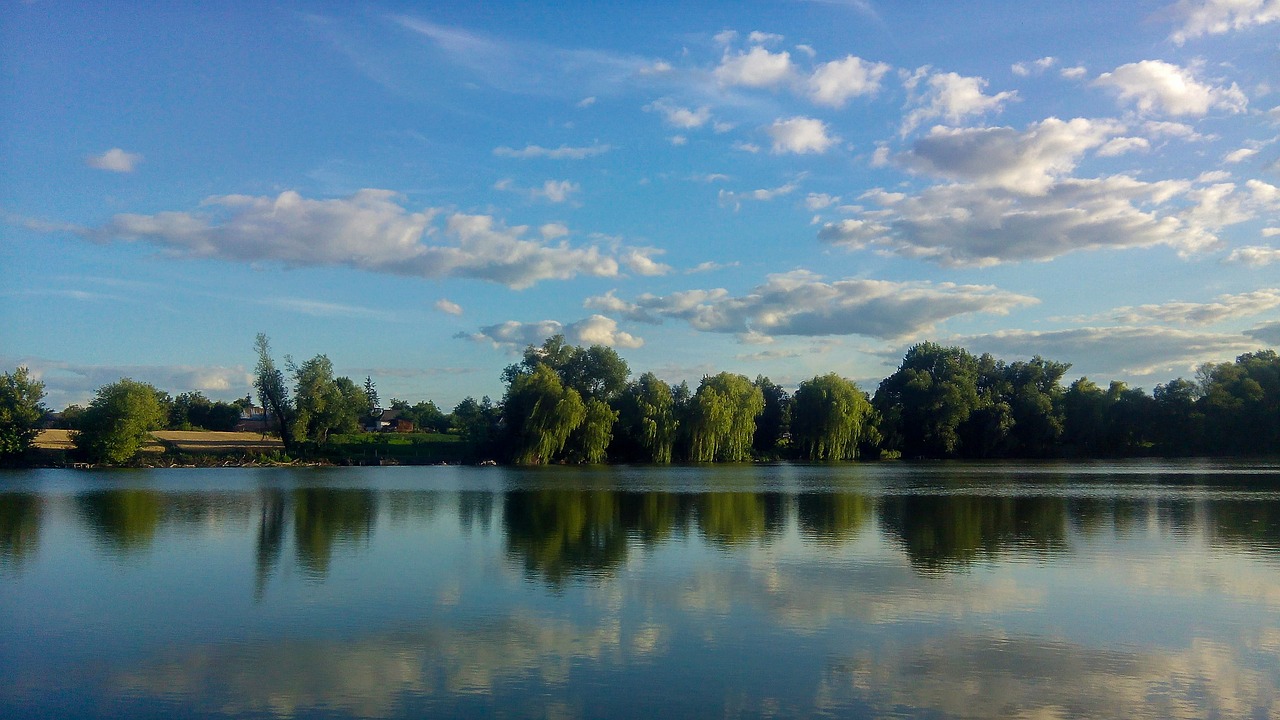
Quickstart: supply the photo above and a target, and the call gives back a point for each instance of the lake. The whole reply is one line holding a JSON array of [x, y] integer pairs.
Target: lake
[[1131, 590]]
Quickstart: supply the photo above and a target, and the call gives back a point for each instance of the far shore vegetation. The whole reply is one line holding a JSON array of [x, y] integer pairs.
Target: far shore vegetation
[[572, 404]]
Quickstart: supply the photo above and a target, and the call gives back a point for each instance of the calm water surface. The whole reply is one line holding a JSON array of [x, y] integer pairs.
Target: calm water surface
[[1134, 590]]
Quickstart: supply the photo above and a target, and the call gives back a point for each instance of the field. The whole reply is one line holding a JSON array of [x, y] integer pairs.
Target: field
[[197, 441]]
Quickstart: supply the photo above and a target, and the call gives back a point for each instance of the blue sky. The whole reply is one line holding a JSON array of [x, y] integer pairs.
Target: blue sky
[[785, 188]]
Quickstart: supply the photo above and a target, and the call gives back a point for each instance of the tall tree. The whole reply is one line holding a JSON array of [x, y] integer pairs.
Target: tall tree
[[119, 421], [21, 409], [323, 404], [647, 415], [540, 413], [926, 400], [773, 424], [830, 417], [722, 418], [272, 390]]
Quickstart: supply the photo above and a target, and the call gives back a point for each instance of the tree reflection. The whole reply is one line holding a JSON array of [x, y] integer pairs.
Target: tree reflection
[[124, 521], [19, 526], [940, 532], [562, 533], [325, 516], [270, 538], [733, 518], [475, 507], [1249, 523], [832, 517]]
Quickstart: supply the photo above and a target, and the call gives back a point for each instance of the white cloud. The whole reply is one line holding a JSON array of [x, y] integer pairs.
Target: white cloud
[[763, 38], [1111, 351], [729, 197], [551, 231], [1224, 307], [69, 383], [1023, 69], [115, 160], [949, 96], [835, 82], [800, 135], [641, 262], [320, 308], [678, 140], [1255, 255], [1270, 231], [746, 147], [680, 117], [448, 307], [801, 303], [1237, 156], [1166, 128], [818, 201], [659, 67], [1122, 145], [557, 191], [1216, 17], [964, 224], [563, 152], [587, 102], [594, 330], [1074, 73], [1023, 162], [369, 230], [1158, 86], [755, 68]]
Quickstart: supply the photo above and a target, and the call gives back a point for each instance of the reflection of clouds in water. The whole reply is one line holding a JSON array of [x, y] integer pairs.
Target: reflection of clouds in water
[[371, 676], [1194, 571], [810, 598], [984, 677]]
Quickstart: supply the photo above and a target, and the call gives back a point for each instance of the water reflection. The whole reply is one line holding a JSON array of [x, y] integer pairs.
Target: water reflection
[[940, 532], [19, 527], [323, 517], [123, 521]]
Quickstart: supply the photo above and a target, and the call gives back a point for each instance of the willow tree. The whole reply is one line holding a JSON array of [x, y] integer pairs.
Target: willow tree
[[829, 418], [722, 418], [540, 413], [596, 431], [647, 415], [272, 390]]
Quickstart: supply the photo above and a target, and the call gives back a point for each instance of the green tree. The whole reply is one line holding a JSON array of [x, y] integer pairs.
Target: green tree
[[540, 413], [193, 410], [119, 421], [269, 381], [924, 402], [323, 404], [596, 432], [477, 422], [830, 416], [647, 416], [722, 418], [20, 412], [773, 425]]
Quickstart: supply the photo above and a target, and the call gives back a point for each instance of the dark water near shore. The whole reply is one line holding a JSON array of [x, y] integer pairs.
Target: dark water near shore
[[1136, 590]]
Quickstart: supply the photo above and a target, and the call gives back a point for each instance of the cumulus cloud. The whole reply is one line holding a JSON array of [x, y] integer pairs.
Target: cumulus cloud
[[1074, 73], [1024, 162], [949, 96], [1158, 86], [1238, 156], [835, 82], [594, 330], [1111, 351], [69, 383], [755, 68], [640, 261], [800, 135], [1216, 17], [802, 303], [564, 152], [1255, 255], [680, 117], [557, 191], [369, 230], [818, 201], [965, 224], [448, 307], [1023, 69], [1224, 307], [1122, 145], [115, 160]]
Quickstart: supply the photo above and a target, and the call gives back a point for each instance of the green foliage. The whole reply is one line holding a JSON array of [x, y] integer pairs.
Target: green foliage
[[270, 384], [192, 410], [647, 416], [325, 405], [773, 425], [595, 432], [119, 421], [20, 412], [722, 418], [477, 422], [924, 403], [830, 417], [540, 413]]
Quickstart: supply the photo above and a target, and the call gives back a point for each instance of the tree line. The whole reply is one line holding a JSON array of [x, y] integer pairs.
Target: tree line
[[569, 404]]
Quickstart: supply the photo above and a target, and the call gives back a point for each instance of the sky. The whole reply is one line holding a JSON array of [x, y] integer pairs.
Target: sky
[[420, 190]]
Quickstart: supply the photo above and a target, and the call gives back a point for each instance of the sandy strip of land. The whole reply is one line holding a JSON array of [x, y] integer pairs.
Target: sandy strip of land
[[197, 441]]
